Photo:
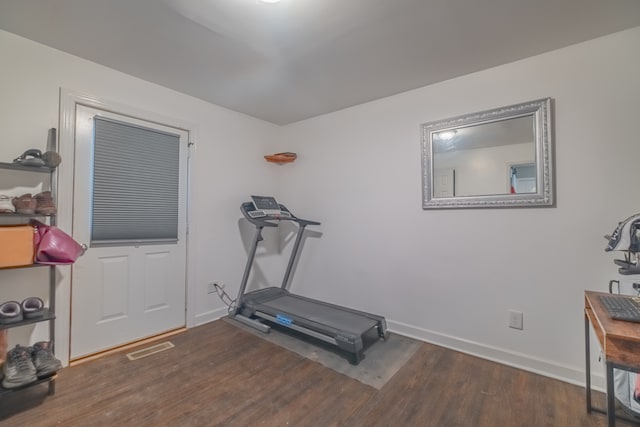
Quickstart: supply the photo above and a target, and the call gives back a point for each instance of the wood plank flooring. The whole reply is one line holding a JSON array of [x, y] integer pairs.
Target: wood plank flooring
[[219, 375]]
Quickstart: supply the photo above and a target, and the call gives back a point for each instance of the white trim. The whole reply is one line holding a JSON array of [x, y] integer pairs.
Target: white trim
[[210, 316], [547, 368], [69, 99]]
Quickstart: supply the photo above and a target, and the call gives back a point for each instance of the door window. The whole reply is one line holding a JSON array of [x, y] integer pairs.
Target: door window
[[135, 197]]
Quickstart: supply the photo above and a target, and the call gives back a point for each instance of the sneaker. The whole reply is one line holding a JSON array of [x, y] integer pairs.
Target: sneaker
[[25, 204], [43, 359], [44, 203], [18, 368], [5, 204], [10, 312]]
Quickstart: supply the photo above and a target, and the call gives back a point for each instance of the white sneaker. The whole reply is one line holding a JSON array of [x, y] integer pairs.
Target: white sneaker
[[5, 204]]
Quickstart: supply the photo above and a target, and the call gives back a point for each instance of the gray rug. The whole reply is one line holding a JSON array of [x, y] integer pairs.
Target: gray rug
[[382, 359]]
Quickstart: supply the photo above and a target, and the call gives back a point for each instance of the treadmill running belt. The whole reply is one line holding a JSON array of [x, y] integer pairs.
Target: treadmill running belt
[[320, 313]]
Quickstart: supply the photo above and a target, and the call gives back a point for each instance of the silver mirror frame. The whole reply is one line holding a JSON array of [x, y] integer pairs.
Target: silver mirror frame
[[540, 110]]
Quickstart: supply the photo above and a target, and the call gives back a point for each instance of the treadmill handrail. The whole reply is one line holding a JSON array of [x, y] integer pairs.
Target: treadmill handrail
[[267, 221], [305, 222]]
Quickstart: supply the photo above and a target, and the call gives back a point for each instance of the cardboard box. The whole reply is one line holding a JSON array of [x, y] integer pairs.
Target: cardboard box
[[16, 245]]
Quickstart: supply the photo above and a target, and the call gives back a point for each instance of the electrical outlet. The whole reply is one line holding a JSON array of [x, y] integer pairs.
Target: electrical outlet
[[211, 288], [515, 319]]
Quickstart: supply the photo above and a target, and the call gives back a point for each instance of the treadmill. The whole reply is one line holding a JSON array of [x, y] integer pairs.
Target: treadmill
[[342, 327]]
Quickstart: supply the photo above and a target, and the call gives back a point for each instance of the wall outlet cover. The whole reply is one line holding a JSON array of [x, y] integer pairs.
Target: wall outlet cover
[[516, 319]]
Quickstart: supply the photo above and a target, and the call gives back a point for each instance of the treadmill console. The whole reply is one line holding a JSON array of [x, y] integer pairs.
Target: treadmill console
[[266, 204], [262, 210], [265, 208]]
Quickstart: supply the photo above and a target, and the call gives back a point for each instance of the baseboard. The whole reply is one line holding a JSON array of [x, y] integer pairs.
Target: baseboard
[[210, 316], [522, 361]]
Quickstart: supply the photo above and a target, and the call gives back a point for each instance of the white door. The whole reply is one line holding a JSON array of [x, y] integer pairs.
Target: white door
[[443, 183], [124, 292]]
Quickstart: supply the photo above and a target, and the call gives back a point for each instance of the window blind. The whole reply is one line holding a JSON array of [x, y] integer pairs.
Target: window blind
[[135, 184]]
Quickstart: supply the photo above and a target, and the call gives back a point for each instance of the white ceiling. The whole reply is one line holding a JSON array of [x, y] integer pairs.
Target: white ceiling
[[301, 58]]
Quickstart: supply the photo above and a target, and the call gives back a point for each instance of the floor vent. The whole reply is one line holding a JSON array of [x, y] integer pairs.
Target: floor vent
[[150, 350]]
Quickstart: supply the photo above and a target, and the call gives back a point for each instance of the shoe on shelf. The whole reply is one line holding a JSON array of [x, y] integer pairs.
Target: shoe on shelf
[[10, 312], [18, 368], [44, 361], [32, 308], [25, 204], [5, 204], [44, 203]]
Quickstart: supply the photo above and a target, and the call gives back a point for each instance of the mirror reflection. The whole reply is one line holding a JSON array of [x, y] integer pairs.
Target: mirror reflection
[[494, 158], [486, 159]]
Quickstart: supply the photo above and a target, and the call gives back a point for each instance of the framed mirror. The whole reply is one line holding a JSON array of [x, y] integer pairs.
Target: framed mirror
[[494, 158]]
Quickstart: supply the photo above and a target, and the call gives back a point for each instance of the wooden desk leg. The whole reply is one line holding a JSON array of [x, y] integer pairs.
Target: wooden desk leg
[[611, 410], [587, 355]]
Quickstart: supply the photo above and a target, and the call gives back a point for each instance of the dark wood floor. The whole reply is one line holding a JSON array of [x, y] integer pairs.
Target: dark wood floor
[[219, 375]]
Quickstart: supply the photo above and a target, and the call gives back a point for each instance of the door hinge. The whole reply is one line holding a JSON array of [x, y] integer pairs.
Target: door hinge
[[190, 147]]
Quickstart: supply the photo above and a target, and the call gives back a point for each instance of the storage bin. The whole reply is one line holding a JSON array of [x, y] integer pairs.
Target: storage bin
[[16, 245]]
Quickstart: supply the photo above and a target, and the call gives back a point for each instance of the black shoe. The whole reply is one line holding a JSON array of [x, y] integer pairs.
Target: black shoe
[[43, 359], [18, 368]]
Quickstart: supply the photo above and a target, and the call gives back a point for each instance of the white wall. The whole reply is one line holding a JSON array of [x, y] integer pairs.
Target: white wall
[[443, 276], [450, 276], [227, 166]]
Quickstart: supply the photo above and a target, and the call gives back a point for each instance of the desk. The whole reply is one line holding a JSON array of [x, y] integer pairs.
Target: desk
[[620, 342]]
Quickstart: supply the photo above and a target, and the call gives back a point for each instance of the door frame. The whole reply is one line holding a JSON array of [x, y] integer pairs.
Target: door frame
[[66, 147]]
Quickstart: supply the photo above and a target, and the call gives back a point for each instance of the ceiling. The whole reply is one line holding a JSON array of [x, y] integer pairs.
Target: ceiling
[[297, 59]]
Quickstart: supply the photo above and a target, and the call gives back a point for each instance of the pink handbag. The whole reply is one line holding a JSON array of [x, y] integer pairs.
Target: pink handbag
[[53, 246]]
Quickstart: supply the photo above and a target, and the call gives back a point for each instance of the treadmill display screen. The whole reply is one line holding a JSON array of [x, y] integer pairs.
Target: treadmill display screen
[[266, 203]]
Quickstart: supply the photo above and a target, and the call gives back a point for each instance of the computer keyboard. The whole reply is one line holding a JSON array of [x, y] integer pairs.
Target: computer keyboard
[[621, 307]]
